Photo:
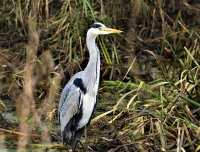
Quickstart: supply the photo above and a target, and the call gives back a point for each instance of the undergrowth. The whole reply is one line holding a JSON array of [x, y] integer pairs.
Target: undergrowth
[[149, 97]]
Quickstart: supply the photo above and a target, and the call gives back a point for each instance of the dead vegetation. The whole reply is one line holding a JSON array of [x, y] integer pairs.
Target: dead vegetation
[[149, 99]]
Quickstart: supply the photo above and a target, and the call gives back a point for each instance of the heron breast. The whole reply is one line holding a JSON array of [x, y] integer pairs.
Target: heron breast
[[87, 109]]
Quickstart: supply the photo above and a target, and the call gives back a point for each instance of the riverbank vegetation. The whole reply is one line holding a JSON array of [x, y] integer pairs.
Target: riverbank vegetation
[[149, 95]]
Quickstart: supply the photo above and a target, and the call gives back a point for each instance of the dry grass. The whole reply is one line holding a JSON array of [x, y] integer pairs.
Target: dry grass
[[150, 91]]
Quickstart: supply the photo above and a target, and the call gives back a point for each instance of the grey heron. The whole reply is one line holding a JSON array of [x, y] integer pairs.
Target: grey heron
[[78, 98]]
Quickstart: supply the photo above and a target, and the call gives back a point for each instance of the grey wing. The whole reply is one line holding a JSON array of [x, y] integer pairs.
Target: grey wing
[[65, 92], [63, 97], [70, 106]]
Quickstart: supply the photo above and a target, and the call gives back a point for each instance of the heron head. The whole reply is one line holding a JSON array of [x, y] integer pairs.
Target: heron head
[[100, 29]]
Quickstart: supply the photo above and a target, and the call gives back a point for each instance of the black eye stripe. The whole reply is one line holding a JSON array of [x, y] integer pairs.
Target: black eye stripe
[[96, 25]]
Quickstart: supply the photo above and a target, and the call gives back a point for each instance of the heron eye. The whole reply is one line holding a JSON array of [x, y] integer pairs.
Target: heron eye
[[96, 25]]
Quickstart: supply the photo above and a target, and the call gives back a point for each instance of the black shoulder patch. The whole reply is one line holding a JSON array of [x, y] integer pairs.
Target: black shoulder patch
[[96, 25], [78, 82]]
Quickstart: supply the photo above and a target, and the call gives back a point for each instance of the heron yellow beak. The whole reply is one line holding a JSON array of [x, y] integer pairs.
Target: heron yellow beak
[[110, 30]]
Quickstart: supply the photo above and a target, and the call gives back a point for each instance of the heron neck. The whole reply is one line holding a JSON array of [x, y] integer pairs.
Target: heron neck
[[92, 69]]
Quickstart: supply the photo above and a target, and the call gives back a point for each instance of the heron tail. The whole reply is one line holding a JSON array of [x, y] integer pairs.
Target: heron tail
[[67, 137], [72, 138]]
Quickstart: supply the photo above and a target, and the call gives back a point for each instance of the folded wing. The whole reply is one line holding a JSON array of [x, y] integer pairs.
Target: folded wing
[[69, 110]]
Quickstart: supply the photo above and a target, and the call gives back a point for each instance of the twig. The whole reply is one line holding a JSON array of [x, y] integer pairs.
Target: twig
[[50, 146], [101, 116], [17, 132]]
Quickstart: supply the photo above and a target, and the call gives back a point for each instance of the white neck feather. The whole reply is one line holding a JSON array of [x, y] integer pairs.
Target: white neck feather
[[92, 70]]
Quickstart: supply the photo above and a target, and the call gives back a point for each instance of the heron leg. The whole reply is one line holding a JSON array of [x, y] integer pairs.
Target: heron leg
[[85, 134], [86, 139], [74, 144], [76, 139]]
